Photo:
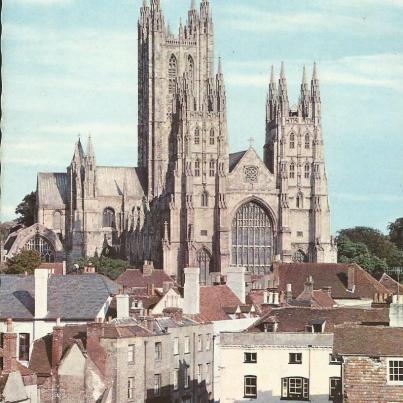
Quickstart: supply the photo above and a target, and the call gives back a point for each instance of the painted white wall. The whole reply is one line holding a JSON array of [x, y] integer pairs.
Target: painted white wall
[[170, 300], [272, 365], [231, 325]]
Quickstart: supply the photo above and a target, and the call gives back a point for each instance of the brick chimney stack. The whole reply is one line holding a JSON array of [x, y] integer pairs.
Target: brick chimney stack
[[9, 349], [288, 293], [351, 278], [308, 286], [191, 291], [95, 332], [236, 281], [57, 344]]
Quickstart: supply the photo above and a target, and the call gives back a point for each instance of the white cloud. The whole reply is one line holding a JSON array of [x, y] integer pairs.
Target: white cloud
[[380, 70], [42, 2], [322, 18]]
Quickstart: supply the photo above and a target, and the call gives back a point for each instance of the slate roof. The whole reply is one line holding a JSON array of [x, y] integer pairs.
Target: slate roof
[[392, 285], [334, 275], [69, 297], [215, 300], [111, 181], [295, 319], [52, 189], [234, 158], [316, 298], [368, 341], [134, 278]]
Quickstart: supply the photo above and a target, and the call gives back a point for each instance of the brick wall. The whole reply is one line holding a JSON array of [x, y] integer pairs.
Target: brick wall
[[365, 380]]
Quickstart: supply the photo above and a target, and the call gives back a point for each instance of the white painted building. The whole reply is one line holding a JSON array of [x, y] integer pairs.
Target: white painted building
[[272, 367]]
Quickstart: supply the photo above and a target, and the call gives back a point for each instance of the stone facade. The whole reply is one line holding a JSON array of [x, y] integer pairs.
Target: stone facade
[[191, 203]]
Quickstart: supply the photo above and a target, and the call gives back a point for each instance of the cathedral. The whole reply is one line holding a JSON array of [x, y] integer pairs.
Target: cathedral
[[189, 201]]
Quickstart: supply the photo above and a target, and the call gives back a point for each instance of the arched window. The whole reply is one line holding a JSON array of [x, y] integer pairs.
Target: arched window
[[307, 141], [212, 137], [190, 68], [197, 136], [108, 218], [292, 140], [212, 168], [172, 73], [300, 256], [42, 246], [252, 238], [204, 261], [307, 170], [197, 167], [292, 171], [204, 199], [57, 220], [300, 200]]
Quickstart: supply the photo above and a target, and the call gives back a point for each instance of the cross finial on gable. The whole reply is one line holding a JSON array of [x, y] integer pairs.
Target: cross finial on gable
[[251, 141]]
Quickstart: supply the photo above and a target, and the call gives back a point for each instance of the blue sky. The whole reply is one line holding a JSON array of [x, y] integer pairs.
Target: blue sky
[[70, 66]]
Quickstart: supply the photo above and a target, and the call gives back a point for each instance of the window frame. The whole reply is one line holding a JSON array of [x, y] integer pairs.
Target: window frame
[[208, 341], [175, 381], [397, 382], [208, 373], [157, 384], [24, 340], [130, 388], [286, 393], [157, 351], [292, 170], [246, 394], [186, 345], [199, 343], [131, 353], [176, 346], [292, 141], [185, 376], [248, 357], [335, 389], [295, 358]]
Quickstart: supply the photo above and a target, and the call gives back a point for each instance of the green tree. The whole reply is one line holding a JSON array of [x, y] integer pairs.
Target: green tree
[[396, 232], [358, 252], [26, 210], [378, 244], [25, 261], [107, 266]]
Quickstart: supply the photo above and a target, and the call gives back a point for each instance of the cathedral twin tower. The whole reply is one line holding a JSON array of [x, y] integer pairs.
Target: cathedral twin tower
[[189, 202]]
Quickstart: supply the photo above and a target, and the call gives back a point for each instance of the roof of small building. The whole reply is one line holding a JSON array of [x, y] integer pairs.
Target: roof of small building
[[234, 158], [368, 341], [316, 299], [69, 297], [334, 275], [295, 319], [214, 300], [57, 267], [134, 278], [392, 285]]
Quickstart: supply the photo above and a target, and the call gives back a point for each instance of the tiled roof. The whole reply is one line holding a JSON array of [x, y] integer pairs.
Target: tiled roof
[[214, 299], [56, 266], [52, 189], [368, 341], [317, 299], [111, 181], [135, 279], [327, 274], [295, 319], [69, 297], [391, 284], [234, 158]]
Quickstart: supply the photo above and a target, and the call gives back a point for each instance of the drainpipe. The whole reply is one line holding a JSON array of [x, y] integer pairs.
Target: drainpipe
[[212, 368], [309, 371]]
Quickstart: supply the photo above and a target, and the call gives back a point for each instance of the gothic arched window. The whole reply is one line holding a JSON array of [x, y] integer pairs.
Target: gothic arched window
[[300, 200], [204, 199], [197, 136], [292, 171], [307, 141], [307, 170], [212, 168], [212, 137], [252, 238], [42, 246], [204, 260], [108, 218], [292, 140], [190, 68], [57, 220], [300, 256], [172, 73], [197, 168]]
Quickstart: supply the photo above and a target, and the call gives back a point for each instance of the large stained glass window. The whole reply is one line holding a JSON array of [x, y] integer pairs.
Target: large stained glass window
[[252, 239], [43, 247]]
